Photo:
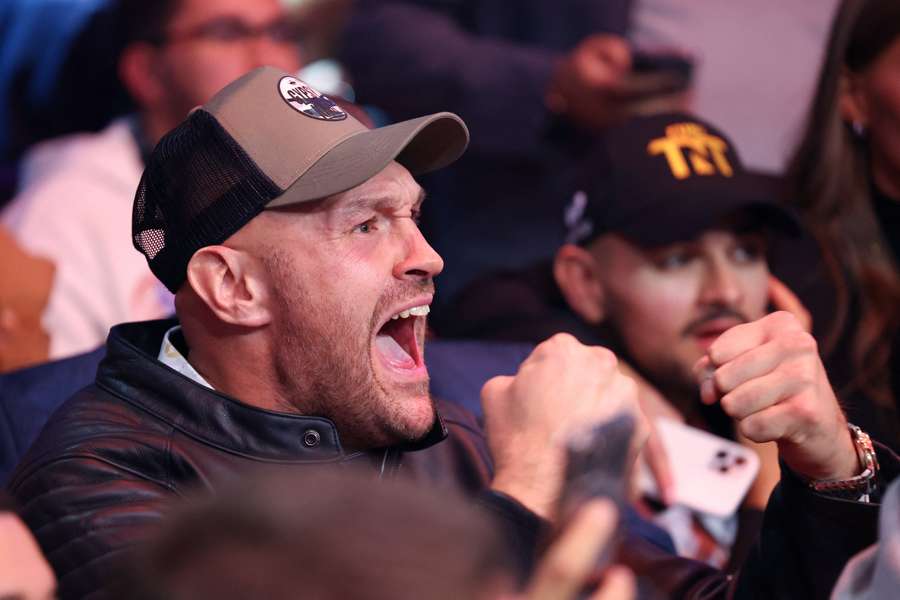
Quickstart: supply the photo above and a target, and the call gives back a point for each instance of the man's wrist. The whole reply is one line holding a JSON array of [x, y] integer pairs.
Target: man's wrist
[[534, 495], [859, 481]]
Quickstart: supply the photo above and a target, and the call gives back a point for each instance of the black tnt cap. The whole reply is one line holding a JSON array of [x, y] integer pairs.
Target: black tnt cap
[[665, 178]]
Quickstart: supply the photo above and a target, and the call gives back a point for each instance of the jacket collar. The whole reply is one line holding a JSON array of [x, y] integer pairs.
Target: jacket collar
[[131, 372]]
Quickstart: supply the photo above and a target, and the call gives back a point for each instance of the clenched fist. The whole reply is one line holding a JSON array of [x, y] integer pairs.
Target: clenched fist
[[561, 387], [769, 377]]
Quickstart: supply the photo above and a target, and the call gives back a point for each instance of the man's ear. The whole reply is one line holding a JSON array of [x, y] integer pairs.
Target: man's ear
[[230, 284], [852, 99], [575, 270], [139, 73]]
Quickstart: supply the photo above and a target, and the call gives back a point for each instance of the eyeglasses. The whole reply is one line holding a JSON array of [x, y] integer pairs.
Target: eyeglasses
[[229, 30]]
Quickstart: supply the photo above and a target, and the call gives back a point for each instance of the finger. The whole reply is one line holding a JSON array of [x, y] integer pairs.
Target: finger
[[571, 559], [618, 584], [759, 394], [783, 298], [613, 50], [752, 364], [494, 388], [744, 337], [658, 461], [704, 371]]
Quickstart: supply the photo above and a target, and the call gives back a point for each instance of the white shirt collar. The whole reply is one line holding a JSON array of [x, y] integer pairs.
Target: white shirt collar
[[170, 356]]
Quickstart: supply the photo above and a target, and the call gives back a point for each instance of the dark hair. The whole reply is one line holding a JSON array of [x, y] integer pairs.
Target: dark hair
[[829, 181], [144, 20], [324, 535]]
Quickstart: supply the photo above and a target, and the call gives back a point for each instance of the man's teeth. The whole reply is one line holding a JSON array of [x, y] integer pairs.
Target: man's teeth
[[415, 311]]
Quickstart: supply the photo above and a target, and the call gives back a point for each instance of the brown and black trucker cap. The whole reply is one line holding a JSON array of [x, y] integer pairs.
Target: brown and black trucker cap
[[267, 139]]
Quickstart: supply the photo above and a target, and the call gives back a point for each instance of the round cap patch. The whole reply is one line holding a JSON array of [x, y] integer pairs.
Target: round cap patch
[[308, 101]]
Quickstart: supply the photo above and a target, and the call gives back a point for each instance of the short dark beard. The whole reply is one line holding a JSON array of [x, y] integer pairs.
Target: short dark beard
[[323, 362]]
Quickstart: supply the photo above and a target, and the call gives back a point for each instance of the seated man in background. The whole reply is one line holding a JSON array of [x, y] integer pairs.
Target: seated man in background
[[668, 244], [287, 231], [75, 193]]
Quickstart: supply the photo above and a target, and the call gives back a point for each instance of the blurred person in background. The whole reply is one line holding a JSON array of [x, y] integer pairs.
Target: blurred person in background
[[532, 79], [754, 65], [24, 572], [845, 180], [75, 193], [348, 536]]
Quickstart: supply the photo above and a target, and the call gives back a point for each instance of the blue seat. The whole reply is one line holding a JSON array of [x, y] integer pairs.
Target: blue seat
[[28, 397]]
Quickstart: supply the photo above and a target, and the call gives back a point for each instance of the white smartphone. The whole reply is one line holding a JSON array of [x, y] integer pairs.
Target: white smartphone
[[711, 474]]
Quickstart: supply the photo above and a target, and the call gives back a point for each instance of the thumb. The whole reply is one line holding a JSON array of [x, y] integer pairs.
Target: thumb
[[782, 298]]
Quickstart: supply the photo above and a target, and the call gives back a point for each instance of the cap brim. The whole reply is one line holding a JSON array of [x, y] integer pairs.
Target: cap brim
[[688, 220], [421, 145]]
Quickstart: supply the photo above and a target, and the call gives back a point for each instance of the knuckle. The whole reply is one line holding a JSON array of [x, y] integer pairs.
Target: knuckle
[[721, 378], [563, 339], [800, 341], [805, 411], [730, 403], [604, 356], [753, 429]]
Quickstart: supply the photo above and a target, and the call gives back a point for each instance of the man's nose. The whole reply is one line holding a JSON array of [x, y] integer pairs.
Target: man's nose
[[264, 51], [721, 284], [419, 260]]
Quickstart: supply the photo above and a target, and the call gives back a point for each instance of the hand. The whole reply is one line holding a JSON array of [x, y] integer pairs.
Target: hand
[[569, 563], [23, 571], [594, 86], [588, 81], [769, 377], [782, 298], [561, 387], [653, 405]]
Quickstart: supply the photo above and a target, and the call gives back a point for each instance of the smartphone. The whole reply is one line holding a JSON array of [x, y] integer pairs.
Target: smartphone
[[597, 463], [711, 474], [676, 70]]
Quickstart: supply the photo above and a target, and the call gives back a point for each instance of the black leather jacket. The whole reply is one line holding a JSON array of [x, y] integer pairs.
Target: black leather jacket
[[113, 456]]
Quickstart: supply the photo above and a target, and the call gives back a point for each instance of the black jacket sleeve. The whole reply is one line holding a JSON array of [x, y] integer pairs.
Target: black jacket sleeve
[[806, 540], [86, 514]]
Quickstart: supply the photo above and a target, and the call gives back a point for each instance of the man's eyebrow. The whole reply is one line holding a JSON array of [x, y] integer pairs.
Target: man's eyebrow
[[374, 202]]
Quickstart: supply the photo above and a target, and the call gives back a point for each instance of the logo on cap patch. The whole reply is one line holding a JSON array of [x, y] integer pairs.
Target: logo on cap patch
[[302, 98], [705, 151]]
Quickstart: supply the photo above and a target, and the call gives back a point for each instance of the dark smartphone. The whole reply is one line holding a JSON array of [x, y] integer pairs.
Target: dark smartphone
[[597, 464], [677, 69], [598, 461]]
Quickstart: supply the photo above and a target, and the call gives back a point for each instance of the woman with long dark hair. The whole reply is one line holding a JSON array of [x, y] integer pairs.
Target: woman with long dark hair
[[845, 180]]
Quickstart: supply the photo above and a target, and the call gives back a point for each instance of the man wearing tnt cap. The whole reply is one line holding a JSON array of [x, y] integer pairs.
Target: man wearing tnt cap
[[667, 257], [287, 232]]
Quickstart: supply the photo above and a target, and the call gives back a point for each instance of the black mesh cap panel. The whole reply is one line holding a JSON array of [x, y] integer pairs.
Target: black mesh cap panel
[[198, 188]]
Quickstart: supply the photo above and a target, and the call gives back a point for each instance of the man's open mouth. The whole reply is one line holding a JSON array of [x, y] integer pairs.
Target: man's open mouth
[[397, 341]]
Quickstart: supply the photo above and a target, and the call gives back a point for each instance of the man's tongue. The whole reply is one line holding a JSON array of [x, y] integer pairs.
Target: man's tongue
[[394, 352]]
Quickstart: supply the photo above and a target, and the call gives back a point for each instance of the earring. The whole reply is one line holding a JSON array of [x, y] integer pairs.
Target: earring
[[858, 128]]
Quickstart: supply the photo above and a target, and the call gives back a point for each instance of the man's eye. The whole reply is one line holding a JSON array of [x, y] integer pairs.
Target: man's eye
[[673, 260], [750, 251], [365, 226]]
